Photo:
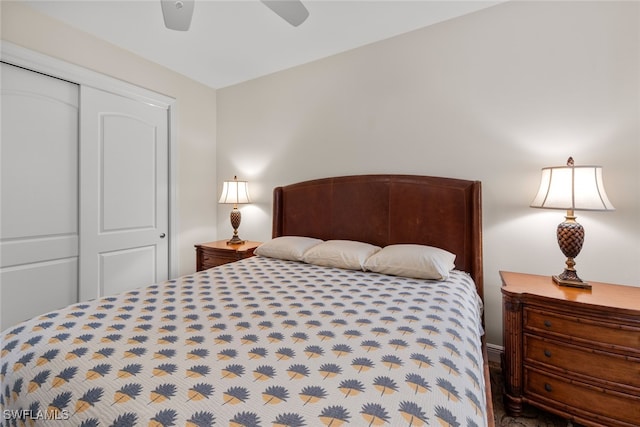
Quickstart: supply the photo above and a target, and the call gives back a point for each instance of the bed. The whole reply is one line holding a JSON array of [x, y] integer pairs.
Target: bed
[[322, 327]]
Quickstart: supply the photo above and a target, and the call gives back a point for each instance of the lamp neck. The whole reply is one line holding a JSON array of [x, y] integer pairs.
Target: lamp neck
[[570, 216]]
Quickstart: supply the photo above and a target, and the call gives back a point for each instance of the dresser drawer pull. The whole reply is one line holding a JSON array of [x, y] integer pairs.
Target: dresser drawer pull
[[547, 353], [548, 387], [547, 323]]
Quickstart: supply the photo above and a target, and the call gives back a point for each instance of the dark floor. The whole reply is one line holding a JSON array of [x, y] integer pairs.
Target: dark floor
[[531, 417]]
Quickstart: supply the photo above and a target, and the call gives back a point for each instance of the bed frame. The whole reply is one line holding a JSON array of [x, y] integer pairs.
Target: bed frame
[[387, 209], [390, 209]]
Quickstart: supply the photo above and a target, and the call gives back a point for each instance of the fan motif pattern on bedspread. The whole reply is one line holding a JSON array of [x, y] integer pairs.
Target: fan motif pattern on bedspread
[[261, 342]]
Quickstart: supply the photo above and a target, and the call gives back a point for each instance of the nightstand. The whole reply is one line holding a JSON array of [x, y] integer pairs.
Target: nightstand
[[573, 352], [213, 254]]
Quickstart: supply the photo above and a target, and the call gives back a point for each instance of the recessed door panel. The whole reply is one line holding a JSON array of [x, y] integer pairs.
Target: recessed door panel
[[39, 165], [39, 249], [129, 153], [127, 269], [36, 288]]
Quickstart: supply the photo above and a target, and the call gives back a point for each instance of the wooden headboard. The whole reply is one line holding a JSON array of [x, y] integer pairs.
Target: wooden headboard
[[387, 209]]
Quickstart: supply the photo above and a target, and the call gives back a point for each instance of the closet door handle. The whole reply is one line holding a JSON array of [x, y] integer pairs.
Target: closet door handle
[[162, 235]]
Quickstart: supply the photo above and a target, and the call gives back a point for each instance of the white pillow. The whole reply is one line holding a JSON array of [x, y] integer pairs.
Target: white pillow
[[290, 248], [340, 253], [416, 261]]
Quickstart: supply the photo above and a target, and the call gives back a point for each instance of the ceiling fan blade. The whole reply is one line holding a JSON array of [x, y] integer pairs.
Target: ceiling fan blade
[[292, 11], [177, 14]]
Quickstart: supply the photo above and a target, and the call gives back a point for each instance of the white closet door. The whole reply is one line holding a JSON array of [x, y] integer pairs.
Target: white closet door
[[39, 194], [124, 193]]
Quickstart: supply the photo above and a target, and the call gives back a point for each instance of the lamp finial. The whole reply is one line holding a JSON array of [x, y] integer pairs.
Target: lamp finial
[[570, 161]]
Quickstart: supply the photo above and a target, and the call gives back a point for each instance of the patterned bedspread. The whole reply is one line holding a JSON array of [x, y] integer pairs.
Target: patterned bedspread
[[260, 342]]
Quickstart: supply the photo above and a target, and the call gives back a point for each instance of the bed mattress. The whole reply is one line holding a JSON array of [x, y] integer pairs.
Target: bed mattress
[[258, 342]]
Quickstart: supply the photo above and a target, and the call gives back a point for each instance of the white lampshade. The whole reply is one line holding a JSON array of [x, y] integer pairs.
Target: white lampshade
[[572, 188], [235, 192]]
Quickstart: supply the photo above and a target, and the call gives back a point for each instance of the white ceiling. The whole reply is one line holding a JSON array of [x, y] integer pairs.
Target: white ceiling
[[231, 41]]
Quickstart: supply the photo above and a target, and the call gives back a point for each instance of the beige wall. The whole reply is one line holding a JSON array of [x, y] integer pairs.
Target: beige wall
[[493, 96], [196, 108]]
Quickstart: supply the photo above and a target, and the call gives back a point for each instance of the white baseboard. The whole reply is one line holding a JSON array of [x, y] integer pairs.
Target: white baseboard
[[494, 352]]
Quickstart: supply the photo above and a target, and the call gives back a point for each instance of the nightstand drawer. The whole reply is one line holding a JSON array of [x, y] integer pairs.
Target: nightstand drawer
[[581, 360], [220, 257], [209, 261], [597, 404], [607, 335]]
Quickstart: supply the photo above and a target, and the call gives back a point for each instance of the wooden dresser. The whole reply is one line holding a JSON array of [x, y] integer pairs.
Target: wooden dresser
[[570, 351], [213, 254]]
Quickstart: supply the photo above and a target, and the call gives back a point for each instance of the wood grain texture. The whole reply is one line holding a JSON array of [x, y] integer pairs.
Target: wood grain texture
[[573, 352]]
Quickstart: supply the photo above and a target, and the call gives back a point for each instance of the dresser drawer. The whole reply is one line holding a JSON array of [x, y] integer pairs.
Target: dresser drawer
[[593, 403], [603, 334], [609, 367]]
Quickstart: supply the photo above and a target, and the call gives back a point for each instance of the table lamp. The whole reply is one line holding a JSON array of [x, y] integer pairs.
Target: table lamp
[[571, 188], [235, 192]]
